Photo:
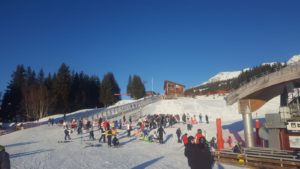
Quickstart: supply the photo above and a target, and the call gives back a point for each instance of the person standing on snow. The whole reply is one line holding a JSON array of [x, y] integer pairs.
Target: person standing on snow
[[184, 118], [4, 159], [178, 133], [67, 133], [109, 136], [128, 127], [161, 133], [198, 136], [92, 134], [185, 139], [206, 118], [102, 135], [200, 118], [205, 159]]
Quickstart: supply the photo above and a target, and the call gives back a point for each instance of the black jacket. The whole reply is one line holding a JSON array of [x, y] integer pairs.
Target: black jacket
[[4, 160], [198, 156]]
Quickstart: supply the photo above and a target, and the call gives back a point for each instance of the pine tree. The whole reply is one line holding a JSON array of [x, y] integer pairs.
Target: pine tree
[[137, 87], [129, 85], [61, 89], [109, 89], [12, 100]]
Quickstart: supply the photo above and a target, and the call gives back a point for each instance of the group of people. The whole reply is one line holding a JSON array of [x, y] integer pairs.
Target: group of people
[[197, 149], [191, 120]]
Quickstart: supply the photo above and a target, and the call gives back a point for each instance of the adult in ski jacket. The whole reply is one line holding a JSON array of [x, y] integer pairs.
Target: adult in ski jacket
[[185, 139], [161, 133], [198, 136], [4, 159], [102, 136], [178, 133], [109, 136]]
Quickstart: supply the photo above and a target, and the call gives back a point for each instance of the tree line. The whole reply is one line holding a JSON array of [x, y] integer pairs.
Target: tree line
[[231, 84], [30, 95]]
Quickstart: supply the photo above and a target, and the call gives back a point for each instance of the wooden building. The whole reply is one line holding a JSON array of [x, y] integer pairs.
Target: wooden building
[[173, 90]]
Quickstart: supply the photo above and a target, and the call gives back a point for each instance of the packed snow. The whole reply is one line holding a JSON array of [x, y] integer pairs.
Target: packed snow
[[38, 147], [223, 76], [294, 59]]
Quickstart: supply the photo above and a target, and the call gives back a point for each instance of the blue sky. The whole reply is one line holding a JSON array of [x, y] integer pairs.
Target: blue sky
[[183, 41]]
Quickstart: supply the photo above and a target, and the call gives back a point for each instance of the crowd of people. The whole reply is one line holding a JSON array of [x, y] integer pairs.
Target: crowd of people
[[151, 128]]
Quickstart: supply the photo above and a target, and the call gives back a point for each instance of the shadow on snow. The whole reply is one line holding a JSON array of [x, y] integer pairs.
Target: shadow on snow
[[21, 144], [29, 153], [238, 126], [147, 163]]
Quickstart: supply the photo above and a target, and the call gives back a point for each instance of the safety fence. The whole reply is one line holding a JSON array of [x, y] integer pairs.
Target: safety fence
[[259, 158], [133, 109]]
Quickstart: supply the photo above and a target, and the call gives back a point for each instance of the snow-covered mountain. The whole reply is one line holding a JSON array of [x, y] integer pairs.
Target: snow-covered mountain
[[223, 76], [294, 59]]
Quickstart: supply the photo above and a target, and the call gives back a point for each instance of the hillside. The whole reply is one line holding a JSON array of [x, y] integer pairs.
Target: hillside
[[226, 81], [37, 147]]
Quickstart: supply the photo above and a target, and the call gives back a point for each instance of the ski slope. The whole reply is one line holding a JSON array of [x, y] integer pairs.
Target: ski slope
[[38, 147]]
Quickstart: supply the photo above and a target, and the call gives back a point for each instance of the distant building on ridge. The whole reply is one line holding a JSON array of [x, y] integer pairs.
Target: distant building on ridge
[[173, 90]]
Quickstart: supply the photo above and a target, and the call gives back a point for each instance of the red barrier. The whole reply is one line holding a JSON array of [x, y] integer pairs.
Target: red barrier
[[220, 141]]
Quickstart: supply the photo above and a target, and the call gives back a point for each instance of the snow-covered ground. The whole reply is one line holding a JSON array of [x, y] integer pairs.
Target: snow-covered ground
[[38, 147]]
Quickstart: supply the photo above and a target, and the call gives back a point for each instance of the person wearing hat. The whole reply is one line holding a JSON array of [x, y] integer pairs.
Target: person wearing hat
[[4, 158]]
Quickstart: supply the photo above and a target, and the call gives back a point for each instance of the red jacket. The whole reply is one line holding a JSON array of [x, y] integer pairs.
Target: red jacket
[[197, 137], [185, 139]]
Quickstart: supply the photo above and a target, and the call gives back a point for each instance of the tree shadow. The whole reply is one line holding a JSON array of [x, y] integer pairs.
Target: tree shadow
[[147, 163], [122, 135], [169, 136], [21, 144], [126, 142], [29, 153]]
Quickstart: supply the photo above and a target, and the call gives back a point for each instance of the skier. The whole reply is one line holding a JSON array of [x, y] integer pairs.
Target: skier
[[4, 159], [200, 118], [120, 124], [109, 135], [102, 135], [184, 118], [206, 118], [79, 129], [92, 135], [178, 133], [161, 133], [67, 133], [128, 127]]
